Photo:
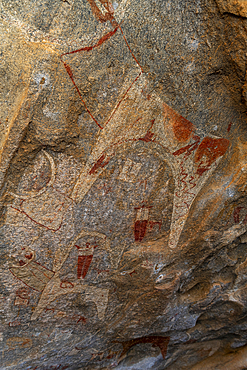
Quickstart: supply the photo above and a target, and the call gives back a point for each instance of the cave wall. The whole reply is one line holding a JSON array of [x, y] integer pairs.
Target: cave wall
[[123, 184]]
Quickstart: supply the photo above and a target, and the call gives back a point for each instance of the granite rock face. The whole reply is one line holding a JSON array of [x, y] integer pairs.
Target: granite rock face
[[123, 176]]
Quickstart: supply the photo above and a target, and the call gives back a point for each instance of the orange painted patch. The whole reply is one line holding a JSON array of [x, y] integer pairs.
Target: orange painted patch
[[182, 128], [211, 149]]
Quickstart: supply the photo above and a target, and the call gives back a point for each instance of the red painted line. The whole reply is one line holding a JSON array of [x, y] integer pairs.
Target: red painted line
[[89, 48], [123, 98], [129, 48], [83, 319], [229, 127], [68, 69], [36, 222], [72, 79], [45, 268], [188, 148], [23, 281], [100, 42]]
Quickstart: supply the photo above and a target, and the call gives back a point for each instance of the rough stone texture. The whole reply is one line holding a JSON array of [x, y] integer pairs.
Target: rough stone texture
[[123, 184]]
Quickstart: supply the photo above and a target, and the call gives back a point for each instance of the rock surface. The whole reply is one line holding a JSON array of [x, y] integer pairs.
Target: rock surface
[[123, 176]]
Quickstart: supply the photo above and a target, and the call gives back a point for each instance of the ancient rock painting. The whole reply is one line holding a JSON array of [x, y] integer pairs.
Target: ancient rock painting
[[100, 176], [46, 208]]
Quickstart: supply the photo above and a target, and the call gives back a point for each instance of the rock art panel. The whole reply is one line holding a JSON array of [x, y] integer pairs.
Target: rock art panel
[[123, 185]]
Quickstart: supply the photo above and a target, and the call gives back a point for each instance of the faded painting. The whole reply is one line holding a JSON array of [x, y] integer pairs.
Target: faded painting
[[100, 174]]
